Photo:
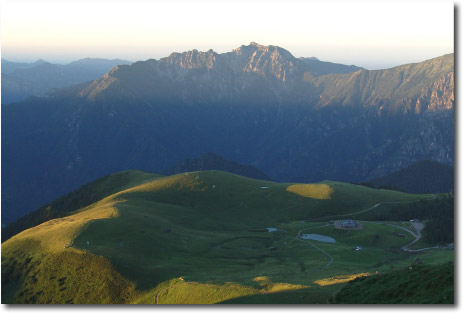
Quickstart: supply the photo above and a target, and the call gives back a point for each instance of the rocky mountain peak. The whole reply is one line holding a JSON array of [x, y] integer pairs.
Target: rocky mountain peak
[[257, 49], [256, 44], [268, 61], [192, 59]]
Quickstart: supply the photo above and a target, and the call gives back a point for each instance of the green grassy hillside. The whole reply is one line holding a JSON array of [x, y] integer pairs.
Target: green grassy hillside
[[201, 237]]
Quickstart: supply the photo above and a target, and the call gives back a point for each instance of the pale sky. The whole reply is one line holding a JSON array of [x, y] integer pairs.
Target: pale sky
[[371, 34]]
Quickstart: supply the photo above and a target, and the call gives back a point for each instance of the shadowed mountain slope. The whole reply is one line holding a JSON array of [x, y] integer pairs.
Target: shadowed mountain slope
[[422, 177]]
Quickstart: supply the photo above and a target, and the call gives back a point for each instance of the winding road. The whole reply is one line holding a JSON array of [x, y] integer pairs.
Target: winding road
[[309, 243], [418, 228], [416, 225], [366, 210], [322, 251]]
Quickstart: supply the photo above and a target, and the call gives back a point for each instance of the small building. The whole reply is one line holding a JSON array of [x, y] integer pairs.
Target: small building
[[272, 229], [415, 220], [358, 248], [348, 224]]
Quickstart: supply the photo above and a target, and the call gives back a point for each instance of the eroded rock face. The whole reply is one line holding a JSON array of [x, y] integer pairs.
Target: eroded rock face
[[440, 95], [192, 59]]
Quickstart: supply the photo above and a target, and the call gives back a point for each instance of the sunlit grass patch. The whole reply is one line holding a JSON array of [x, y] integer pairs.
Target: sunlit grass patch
[[182, 292], [339, 279], [315, 191], [179, 291], [185, 181], [261, 279], [269, 286]]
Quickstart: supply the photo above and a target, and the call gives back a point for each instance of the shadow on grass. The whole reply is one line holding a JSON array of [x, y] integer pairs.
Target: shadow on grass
[[302, 296]]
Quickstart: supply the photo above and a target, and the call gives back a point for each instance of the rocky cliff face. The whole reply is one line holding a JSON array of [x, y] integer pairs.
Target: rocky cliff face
[[413, 87], [439, 96], [268, 61], [192, 59]]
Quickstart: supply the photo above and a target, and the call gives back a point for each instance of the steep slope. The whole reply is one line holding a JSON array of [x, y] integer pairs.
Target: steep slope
[[422, 177], [199, 236], [417, 87], [212, 161], [255, 105]]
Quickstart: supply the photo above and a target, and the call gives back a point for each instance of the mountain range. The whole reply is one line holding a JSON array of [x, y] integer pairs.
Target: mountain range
[[22, 80], [294, 119]]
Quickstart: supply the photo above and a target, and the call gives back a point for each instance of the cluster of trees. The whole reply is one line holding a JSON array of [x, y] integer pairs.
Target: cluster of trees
[[440, 226]]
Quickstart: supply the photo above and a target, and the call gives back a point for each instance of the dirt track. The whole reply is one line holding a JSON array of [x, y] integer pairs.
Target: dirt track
[[370, 208]]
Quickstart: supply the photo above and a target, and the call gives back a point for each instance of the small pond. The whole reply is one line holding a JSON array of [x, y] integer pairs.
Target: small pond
[[318, 237]]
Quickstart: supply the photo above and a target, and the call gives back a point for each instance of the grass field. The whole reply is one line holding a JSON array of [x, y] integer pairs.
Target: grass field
[[201, 237]]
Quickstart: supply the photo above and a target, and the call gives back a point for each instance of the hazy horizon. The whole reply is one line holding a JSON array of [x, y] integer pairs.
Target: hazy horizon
[[64, 62], [351, 33]]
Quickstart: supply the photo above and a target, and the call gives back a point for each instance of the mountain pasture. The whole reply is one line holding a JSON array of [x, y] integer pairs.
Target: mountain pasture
[[178, 239]]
